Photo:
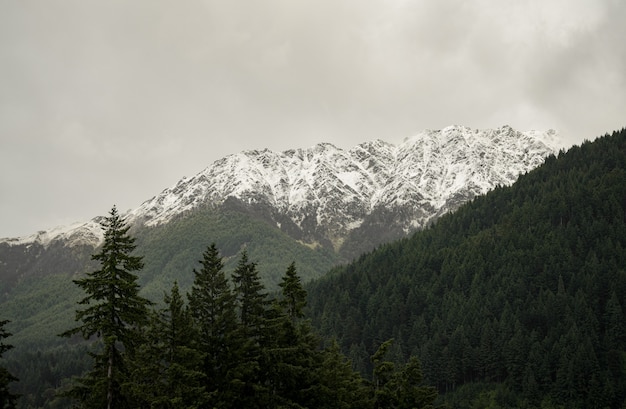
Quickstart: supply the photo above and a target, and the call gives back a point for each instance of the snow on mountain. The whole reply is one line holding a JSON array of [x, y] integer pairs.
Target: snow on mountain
[[81, 233], [332, 191], [430, 173]]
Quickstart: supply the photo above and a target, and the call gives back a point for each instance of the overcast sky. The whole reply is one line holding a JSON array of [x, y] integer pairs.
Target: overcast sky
[[109, 102]]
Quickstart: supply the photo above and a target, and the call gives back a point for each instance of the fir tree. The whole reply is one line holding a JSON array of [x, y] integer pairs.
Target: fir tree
[[339, 386], [213, 309], [7, 399], [294, 295], [291, 359], [402, 388], [252, 303], [167, 369], [114, 313]]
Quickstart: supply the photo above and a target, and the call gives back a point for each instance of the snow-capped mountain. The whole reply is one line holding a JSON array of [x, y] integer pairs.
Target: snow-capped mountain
[[326, 192], [81, 233]]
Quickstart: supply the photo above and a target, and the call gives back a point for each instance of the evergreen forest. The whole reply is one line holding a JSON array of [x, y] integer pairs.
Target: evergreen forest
[[516, 300], [227, 344]]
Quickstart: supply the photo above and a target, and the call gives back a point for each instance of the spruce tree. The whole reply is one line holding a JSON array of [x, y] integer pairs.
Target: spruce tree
[[291, 358], [114, 312], [212, 306], [252, 304], [250, 295], [167, 367], [7, 399], [294, 295], [399, 388], [339, 386]]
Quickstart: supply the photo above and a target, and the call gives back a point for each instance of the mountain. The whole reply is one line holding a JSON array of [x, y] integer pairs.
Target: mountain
[[317, 206], [321, 195], [324, 194], [515, 300]]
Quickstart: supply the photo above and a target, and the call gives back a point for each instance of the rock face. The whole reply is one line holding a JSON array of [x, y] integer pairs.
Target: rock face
[[326, 196], [323, 194]]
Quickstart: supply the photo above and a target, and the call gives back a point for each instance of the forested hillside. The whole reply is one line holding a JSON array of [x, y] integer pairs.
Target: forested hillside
[[40, 306], [227, 344], [515, 300]]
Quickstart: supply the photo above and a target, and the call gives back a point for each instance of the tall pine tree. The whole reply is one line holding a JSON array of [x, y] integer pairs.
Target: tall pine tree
[[166, 371], [114, 312], [291, 355], [213, 309], [294, 295], [252, 303]]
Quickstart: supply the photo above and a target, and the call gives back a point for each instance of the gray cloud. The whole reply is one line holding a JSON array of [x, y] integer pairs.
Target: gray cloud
[[110, 102]]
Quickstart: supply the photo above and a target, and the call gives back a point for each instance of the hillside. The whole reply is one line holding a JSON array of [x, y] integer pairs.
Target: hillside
[[317, 207], [347, 201], [515, 300], [40, 305]]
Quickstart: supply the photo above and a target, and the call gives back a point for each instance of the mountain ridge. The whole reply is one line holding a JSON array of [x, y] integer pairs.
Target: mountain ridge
[[326, 192]]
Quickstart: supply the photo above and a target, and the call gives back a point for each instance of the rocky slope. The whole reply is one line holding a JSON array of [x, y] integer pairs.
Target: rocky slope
[[325, 195]]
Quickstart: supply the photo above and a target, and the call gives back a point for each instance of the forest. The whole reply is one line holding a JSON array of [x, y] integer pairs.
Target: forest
[[516, 300], [228, 345]]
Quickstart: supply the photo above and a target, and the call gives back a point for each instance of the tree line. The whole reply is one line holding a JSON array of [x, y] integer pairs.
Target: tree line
[[227, 344]]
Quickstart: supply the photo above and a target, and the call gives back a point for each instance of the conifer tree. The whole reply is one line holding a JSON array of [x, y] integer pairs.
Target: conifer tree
[[167, 369], [250, 295], [252, 303], [291, 358], [212, 306], [402, 388], [7, 399], [294, 295], [339, 386], [114, 312]]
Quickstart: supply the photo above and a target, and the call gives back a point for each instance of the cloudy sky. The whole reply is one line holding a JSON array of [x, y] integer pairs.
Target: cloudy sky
[[109, 102]]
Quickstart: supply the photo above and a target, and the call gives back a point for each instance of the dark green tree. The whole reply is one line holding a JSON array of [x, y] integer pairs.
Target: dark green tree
[[291, 357], [212, 304], [412, 393], [403, 388], [383, 374], [7, 399], [167, 369], [339, 386], [293, 294], [252, 304], [114, 313]]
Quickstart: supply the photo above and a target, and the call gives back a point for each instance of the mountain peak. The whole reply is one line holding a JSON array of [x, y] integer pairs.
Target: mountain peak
[[338, 189], [327, 192]]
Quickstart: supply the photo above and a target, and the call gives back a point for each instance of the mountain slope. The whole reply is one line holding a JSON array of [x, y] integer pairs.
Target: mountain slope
[[320, 195], [515, 299], [346, 201], [317, 207]]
